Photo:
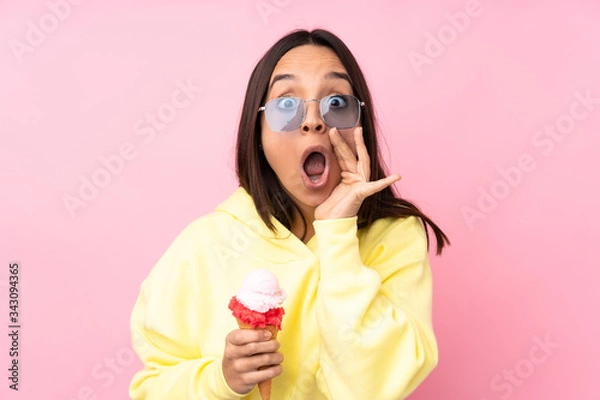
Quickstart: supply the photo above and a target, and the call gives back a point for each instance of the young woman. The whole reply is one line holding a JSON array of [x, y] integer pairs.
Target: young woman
[[316, 208]]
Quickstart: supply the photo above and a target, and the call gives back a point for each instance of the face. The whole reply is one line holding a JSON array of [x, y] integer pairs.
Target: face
[[303, 159]]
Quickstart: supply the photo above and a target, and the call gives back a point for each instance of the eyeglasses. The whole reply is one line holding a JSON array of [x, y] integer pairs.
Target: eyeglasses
[[286, 114]]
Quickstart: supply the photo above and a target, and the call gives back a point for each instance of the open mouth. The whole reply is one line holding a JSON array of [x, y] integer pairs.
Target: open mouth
[[314, 166]]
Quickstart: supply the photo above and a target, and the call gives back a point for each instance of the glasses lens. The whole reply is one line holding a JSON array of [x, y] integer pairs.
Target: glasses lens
[[284, 114], [340, 111]]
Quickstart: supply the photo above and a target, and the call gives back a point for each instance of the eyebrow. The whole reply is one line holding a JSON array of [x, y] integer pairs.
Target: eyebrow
[[328, 76]]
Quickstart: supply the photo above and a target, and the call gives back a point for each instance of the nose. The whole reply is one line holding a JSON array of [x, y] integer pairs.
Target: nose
[[312, 120]]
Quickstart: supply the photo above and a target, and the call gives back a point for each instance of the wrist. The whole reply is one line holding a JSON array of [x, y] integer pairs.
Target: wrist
[[335, 213]]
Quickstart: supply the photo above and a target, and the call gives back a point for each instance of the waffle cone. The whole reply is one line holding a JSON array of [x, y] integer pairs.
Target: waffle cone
[[264, 387]]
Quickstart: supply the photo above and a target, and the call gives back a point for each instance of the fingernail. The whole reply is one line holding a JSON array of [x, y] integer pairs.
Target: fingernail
[[266, 334]]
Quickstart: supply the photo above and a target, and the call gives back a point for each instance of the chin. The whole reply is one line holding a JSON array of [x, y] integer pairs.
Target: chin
[[313, 199], [307, 198]]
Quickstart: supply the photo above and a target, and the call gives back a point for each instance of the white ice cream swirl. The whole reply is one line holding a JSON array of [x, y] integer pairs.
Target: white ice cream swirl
[[260, 291]]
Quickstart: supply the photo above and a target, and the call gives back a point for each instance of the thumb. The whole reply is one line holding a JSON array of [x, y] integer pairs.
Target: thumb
[[377, 186]]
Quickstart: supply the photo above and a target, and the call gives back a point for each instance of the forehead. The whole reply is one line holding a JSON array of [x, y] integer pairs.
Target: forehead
[[308, 62]]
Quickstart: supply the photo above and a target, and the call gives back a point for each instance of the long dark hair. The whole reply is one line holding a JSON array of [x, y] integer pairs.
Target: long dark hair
[[256, 176]]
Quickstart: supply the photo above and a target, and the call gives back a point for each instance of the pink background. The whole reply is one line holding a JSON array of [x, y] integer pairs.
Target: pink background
[[455, 128]]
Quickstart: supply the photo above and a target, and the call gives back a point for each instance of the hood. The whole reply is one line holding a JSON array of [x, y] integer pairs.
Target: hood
[[241, 206]]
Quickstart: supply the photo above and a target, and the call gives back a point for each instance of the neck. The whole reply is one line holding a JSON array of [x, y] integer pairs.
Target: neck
[[298, 228]]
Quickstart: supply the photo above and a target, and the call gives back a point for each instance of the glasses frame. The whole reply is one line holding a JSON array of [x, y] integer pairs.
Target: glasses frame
[[360, 105]]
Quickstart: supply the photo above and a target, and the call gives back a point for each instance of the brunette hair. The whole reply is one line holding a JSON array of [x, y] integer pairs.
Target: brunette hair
[[256, 176]]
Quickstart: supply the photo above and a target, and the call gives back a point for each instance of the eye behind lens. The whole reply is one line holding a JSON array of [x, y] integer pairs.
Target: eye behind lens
[[287, 103], [341, 111], [338, 101]]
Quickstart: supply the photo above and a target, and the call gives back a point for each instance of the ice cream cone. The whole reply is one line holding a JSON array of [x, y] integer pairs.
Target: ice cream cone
[[257, 305], [264, 387]]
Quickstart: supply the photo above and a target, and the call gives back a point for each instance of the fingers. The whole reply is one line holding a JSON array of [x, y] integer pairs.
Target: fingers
[[250, 357], [344, 154], [253, 363], [242, 374], [364, 161], [248, 342], [260, 360], [253, 348], [253, 377], [357, 169], [359, 163], [240, 337]]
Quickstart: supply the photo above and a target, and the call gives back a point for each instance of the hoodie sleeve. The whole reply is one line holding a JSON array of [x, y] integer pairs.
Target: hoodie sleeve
[[374, 311], [164, 333]]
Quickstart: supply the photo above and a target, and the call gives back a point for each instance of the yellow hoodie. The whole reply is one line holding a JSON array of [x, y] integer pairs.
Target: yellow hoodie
[[357, 321]]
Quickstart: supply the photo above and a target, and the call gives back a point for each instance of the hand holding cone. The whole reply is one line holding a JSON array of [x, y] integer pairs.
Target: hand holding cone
[[264, 387], [258, 306]]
